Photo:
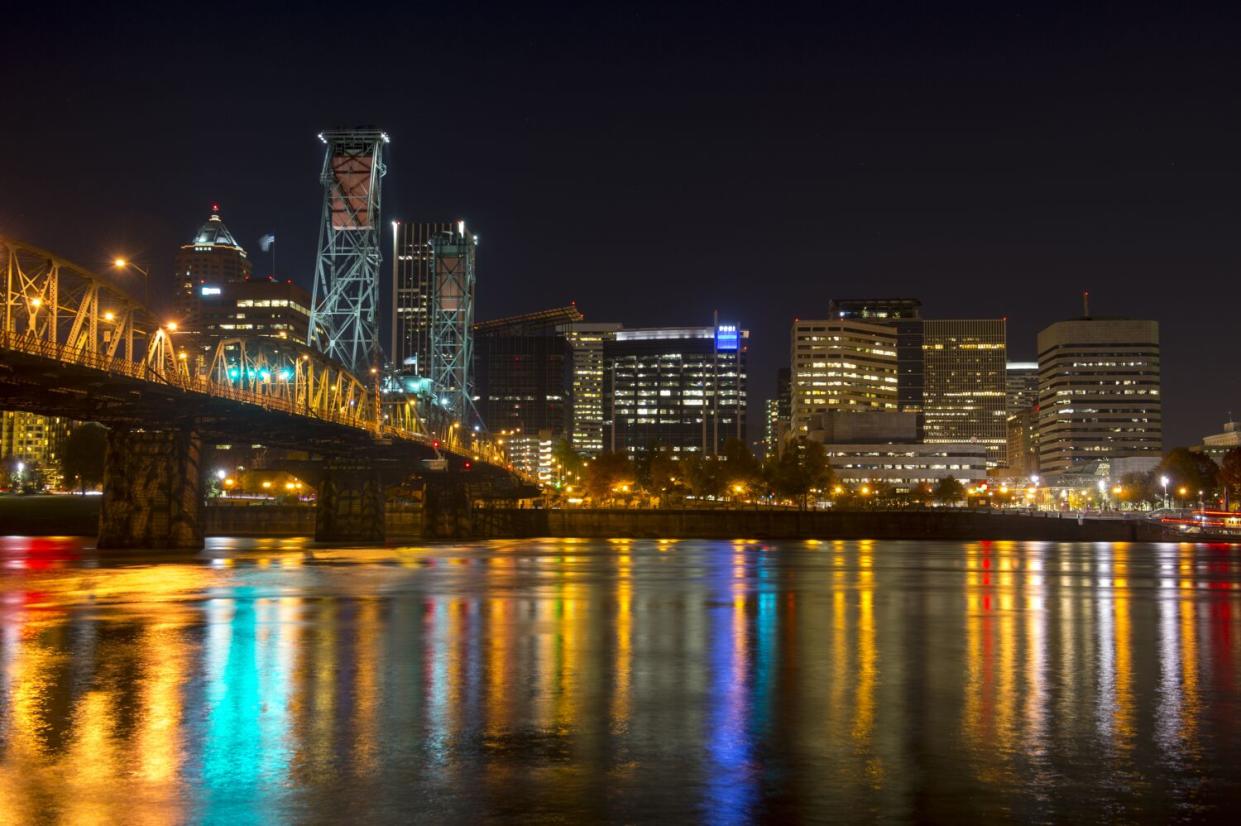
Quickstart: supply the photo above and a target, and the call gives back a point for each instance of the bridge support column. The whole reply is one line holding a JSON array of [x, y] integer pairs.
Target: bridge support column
[[152, 490], [350, 505], [446, 509]]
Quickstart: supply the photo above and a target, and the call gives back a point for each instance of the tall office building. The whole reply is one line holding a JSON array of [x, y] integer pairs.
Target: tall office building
[[1099, 394], [413, 264], [964, 383], [678, 387], [904, 315], [252, 307], [522, 368], [36, 440], [840, 365], [1022, 451], [779, 412], [211, 259], [1022, 385], [586, 383]]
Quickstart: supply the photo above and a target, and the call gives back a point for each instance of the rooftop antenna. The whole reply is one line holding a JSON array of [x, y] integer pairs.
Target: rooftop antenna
[[1086, 303]]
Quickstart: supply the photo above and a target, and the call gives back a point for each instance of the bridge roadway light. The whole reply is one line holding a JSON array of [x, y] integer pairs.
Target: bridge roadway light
[[125, 263]]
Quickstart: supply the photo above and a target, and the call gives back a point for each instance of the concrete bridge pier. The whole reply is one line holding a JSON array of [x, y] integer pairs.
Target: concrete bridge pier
[[446, 509], [152, 490], [350, 505]]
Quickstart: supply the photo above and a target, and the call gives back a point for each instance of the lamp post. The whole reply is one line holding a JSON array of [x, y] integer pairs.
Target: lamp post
[[124, 264], [1163, 480]]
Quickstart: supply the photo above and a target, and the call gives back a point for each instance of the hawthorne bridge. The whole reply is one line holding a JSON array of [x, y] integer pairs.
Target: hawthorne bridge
[[74, 344]]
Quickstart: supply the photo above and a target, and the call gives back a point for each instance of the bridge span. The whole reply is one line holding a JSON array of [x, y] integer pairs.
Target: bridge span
[[74, 344]]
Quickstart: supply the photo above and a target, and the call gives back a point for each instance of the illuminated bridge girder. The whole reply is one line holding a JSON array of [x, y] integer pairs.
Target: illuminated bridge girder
[[58, 314]]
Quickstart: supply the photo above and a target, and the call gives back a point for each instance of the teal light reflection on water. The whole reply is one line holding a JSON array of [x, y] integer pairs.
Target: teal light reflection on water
[[594, 681]]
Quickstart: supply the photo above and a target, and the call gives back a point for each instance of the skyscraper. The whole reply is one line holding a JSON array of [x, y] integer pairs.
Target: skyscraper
[[522, 369], [840, 365], [964, 383], [412, 267], [586, 383], [1022, 385], [1099, 393], [37, 441], [678, 387], [210, 260], [904, 315], [779, 412]]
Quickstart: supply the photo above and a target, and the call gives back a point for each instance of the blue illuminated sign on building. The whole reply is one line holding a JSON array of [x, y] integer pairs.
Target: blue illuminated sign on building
[[727, 338]]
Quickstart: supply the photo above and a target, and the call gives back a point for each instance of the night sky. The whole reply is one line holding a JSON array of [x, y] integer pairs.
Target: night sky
[[655, 164]]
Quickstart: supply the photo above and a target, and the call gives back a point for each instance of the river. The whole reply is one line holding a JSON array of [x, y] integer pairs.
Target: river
[[577, 681]]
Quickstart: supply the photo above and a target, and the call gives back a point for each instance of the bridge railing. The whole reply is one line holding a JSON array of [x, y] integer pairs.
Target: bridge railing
[[180, 379]]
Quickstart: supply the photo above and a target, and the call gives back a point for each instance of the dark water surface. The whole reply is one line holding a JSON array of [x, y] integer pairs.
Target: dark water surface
[[579, 681]]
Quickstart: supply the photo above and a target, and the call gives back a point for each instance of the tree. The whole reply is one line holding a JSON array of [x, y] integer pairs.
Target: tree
[[802, 467], [661, 472], [702, 473], [948, 491], [1190, 470], [1230, 474], [607, 472], [82, 459], [740, 466], [1139, 486], [570, 460]]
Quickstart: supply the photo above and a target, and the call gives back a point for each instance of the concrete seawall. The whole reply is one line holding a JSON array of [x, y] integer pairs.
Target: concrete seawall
[[76, 515], [940, 523]]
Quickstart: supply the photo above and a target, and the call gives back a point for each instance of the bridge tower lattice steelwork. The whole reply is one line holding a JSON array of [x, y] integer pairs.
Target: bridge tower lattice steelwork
[[452, 324], [344, 306]]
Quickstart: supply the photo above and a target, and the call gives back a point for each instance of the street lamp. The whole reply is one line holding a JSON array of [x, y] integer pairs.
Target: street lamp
[[1163, 480], [126, 264]]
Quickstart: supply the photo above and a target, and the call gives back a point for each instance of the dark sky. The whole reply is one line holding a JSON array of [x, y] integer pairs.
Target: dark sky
[[657, 163]]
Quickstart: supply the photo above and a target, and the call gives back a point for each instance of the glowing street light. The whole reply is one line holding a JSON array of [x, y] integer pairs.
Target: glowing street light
[[126, 264], [1163, 480]]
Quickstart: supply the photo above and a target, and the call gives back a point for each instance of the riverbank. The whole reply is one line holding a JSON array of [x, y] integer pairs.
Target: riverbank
[[79, 516], [937, 523], [49, 515]]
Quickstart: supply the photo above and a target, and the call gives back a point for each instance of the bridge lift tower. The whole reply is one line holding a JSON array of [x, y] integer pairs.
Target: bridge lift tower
[[452, 325], [345, 301]]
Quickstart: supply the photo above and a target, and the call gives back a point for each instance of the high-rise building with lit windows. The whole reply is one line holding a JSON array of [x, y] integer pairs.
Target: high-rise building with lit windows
[[211, 259], [965, 383], [682, 388], [522, 369], [1022, 385], [413, 265], [840, 365], [253, 307], [1099, 392], [904, 315], [36, 441], [586, 341]]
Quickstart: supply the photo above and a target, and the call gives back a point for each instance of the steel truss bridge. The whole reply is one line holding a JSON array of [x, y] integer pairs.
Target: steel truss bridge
[[74, 344]]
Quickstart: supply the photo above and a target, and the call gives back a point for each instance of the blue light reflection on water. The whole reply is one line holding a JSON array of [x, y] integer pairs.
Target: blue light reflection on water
[[621, 680]]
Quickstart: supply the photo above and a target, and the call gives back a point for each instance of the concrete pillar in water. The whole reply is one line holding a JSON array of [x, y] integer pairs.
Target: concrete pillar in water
[[152, 490], [350, 506], [446, 510]]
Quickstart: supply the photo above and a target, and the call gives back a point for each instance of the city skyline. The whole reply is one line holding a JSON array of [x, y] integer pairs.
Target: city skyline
[[990, 186]]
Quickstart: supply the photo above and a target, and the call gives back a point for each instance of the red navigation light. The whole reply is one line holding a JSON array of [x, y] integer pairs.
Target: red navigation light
[[436, 444], [215, 207], [468, 465]]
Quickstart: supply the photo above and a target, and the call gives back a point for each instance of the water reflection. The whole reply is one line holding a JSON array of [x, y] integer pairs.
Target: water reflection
[[619, 680]]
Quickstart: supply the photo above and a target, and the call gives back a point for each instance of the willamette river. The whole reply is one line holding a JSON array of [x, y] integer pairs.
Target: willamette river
[[578, 681]]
